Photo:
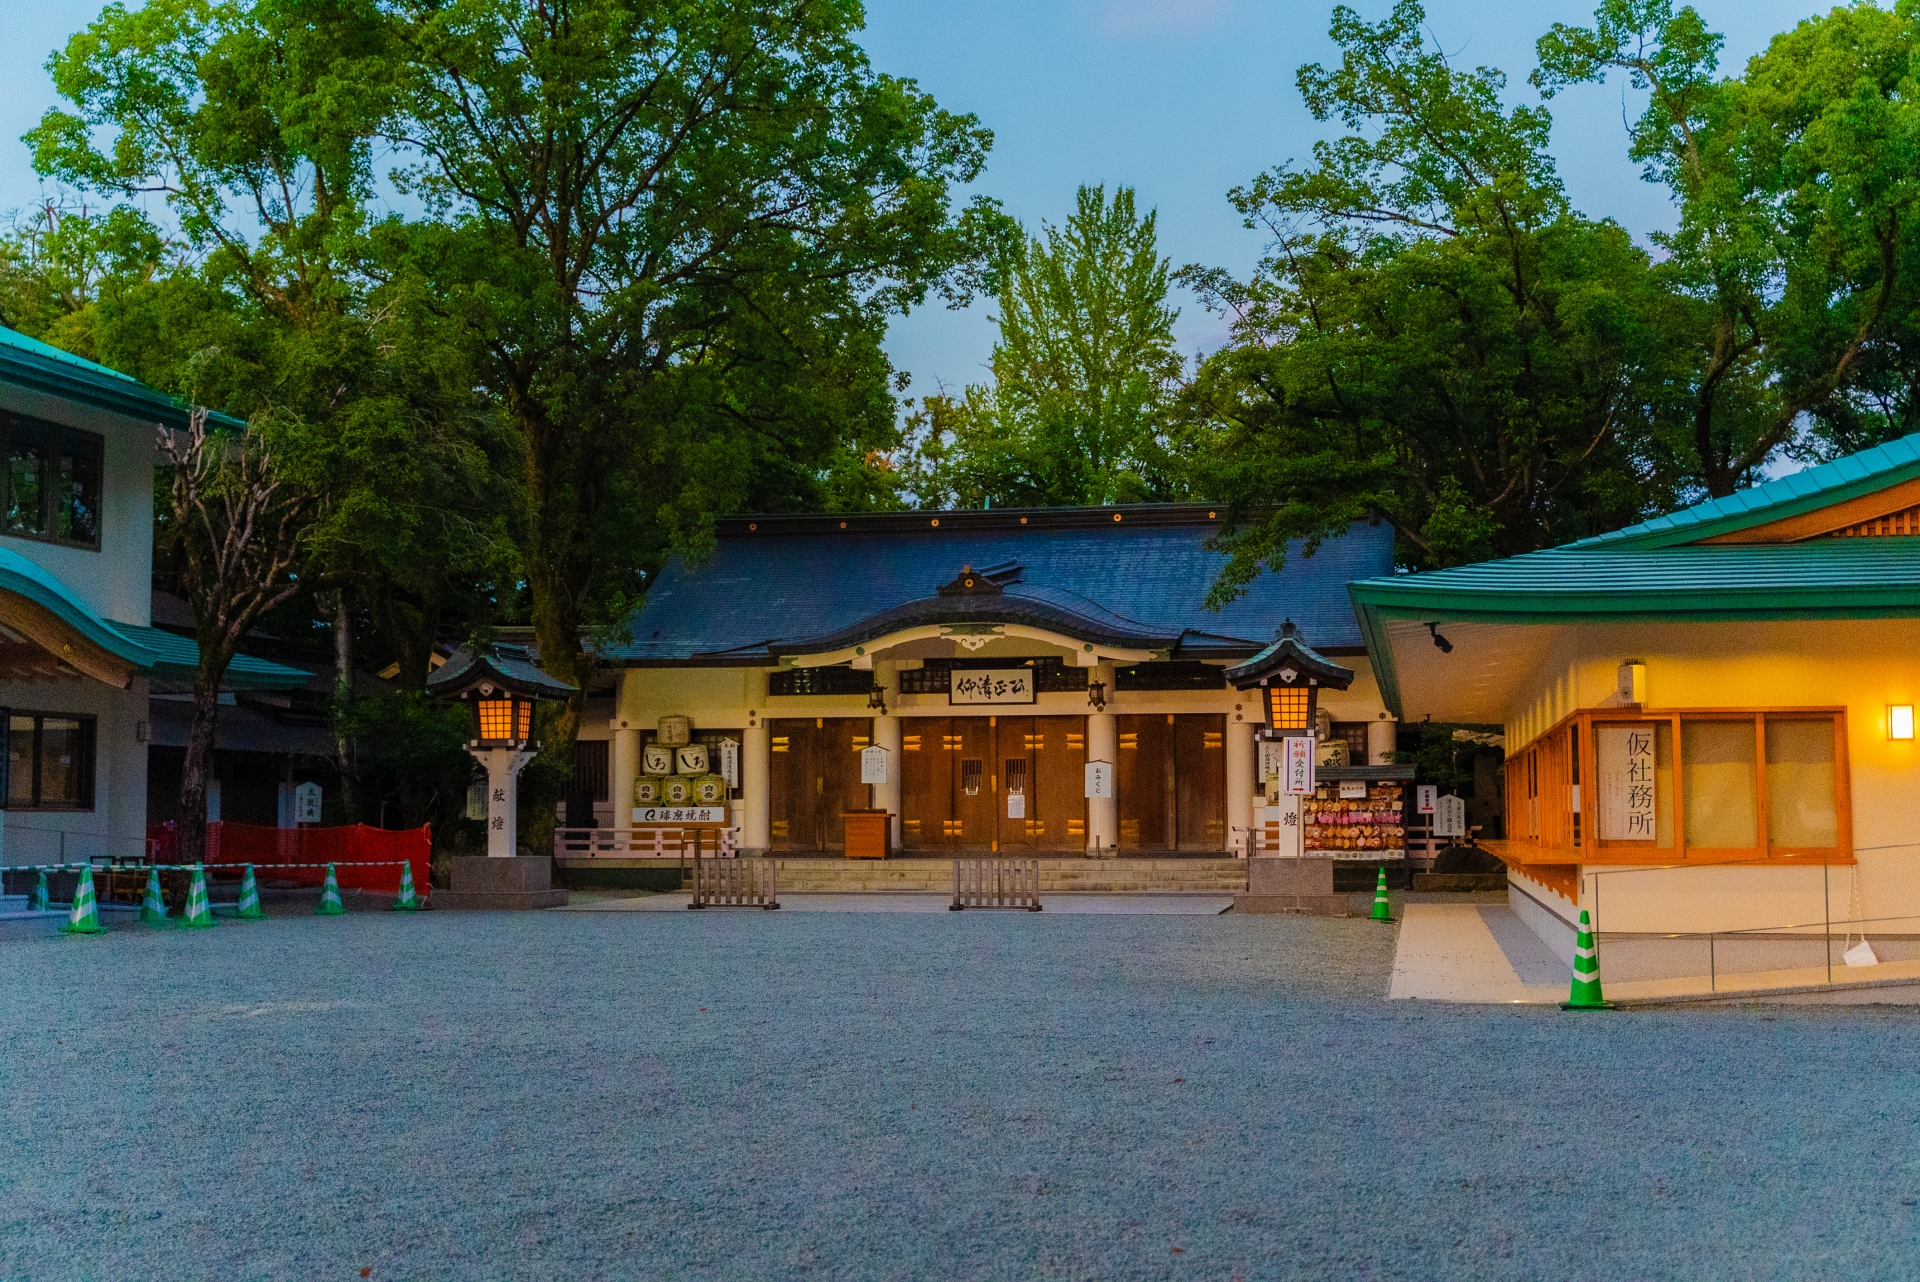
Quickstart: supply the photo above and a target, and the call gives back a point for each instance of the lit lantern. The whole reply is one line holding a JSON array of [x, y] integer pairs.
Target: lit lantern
[[503, 719], [1900, 721], [1289, 675]]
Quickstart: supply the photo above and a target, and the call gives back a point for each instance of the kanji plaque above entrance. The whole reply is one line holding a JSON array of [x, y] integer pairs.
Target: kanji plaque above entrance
[[990, 685]]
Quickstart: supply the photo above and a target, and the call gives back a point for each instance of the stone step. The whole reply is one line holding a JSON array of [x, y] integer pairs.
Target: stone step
[[1201, 876]]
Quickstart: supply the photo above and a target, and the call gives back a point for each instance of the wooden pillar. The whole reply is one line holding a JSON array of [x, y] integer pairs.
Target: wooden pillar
[[1240, 783], [756, 799]]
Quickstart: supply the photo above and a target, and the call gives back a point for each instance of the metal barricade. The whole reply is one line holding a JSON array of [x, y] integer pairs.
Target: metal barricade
[[996, 883]]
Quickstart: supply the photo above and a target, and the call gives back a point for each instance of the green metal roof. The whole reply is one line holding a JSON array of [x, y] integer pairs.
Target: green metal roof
[[1816, 487], [41, 367], [177, 659], [25, 579]]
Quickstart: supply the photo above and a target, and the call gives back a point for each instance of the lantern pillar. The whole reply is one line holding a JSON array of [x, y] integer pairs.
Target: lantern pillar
[[503, 767], [1103, 744], [756, 767]]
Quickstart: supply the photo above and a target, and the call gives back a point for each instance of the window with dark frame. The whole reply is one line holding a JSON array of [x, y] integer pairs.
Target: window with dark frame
[[49, 761], [53, 482]]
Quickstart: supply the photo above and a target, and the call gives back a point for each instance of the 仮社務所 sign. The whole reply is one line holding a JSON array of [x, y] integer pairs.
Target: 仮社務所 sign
[[1629, 791]]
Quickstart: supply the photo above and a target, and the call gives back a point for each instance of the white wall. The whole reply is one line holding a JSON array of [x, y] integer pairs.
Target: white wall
[[117, 824]]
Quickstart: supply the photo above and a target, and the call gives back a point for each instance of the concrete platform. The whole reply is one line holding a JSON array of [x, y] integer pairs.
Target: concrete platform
[[1067, 903], [1484, 953], [479, 883]]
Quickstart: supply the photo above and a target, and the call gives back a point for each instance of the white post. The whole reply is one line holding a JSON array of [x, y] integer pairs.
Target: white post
[[1240, 783], [624, 768], [756, 765], [503, 766], [1103, 744], [886, 733]]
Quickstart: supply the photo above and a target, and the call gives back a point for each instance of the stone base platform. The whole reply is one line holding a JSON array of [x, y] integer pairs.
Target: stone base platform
[[481, 883], [1292, 886]]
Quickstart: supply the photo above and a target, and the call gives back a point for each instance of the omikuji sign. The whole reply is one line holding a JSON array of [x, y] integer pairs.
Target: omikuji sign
[[990, 685]]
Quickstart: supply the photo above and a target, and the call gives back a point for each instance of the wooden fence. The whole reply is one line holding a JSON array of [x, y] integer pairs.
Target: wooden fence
[[734, 883], [996, 883]]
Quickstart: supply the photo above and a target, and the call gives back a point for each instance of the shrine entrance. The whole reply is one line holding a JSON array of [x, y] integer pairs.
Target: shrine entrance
[[993, 783], [814, 778]]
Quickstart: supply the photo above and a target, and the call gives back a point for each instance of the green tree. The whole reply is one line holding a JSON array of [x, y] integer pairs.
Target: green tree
[[1434, 337], [1794, 269], [674, 231], [1084, 373]]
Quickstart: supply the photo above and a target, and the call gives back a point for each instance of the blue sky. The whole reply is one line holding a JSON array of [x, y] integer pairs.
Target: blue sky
[[1181, 99]]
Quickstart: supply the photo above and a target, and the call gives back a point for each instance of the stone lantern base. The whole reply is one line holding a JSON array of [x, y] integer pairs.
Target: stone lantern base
[[521, 881]]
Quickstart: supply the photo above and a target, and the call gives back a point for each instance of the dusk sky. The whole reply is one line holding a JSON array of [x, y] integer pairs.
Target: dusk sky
[[1181, 99]]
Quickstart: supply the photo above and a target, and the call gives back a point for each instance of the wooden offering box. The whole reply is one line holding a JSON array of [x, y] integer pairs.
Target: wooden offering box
[[869, 834]]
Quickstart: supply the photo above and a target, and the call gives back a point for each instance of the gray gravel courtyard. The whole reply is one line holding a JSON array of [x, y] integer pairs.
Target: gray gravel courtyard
[[977, 1095]]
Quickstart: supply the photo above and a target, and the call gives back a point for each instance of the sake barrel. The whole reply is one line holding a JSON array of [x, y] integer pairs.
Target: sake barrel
[[710, 790], [675, 731], [693, 759], [657, 759], [679, 790], [646, 791]]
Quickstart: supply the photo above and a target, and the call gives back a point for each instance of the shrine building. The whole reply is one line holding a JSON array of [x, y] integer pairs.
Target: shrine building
[[993, 654], [1709, 716]]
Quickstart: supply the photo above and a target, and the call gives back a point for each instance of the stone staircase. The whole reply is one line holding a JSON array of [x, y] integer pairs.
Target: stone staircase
[[1114, 876]]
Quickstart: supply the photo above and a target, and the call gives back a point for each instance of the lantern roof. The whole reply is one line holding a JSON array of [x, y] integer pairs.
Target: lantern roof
[[503, 667], [1287, 661]]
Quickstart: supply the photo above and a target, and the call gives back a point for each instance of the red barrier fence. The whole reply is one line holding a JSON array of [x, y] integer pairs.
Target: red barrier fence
[[233, 843]]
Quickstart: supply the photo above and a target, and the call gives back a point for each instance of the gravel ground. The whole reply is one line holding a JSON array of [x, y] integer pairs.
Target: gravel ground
[[789, 1095]]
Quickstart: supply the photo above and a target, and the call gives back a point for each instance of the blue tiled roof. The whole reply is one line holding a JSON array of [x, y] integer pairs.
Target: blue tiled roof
[[775, 580], [1829, 483]]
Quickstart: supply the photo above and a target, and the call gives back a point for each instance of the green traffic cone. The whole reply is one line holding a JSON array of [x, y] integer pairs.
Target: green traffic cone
[[408, 901], [153, 909], [199, 911], [1586, 973], [250, 909], [1382, 911], [38, 900], [84, 917], [330, 905]]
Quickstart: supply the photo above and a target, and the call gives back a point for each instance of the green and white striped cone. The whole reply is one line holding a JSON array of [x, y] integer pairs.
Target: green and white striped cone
[[84, 917], [153, 908], [38, 900], [199, 909], [1382, 910], [250, 909], [408, 901], [330, 905], [1586, 973]]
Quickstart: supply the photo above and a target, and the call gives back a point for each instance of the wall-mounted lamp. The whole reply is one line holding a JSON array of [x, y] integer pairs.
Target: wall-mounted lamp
[[1900, 721], [877, 699], [1440, 643], [1097, 695]]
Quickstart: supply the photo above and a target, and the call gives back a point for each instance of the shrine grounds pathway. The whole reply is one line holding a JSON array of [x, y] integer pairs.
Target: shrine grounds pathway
[[966, 1095]]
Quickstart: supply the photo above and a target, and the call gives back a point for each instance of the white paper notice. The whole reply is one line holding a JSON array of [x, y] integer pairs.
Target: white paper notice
[[1627, 787], [1016, 805]]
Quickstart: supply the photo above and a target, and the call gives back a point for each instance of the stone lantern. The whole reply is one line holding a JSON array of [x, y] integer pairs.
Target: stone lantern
[[501, 684]]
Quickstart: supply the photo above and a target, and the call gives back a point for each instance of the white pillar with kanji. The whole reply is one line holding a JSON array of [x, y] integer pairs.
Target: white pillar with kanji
[[503, 766]]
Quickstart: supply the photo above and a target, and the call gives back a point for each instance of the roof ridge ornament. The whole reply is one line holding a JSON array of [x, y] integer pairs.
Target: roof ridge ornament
[[970, 582]]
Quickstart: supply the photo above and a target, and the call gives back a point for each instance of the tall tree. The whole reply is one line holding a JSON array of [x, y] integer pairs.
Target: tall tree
[[1434, 337], [675, 230], [1084, 372], [1794, 272]]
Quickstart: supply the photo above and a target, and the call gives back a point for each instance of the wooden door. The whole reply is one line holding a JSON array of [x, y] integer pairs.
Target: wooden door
[[976, 784], [792, 806], [1014, 752], [1058, 790], [814, 777], [1143, 778], [926, 783], [1200, 781]]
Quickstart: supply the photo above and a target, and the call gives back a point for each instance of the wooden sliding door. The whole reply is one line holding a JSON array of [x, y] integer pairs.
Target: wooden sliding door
[[993, 783], [1171, 778], [814, 777]]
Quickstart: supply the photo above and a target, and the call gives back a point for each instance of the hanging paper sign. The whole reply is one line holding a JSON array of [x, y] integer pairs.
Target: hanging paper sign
[[1100, 779], [1425, 795], [873, 764], [1016, 805], [1272, 758], [1628, 791], [990, 685], [1297, 774]]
